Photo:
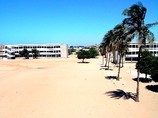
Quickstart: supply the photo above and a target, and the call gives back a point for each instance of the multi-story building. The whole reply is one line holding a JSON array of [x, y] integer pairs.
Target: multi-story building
[[133, 49], [45, 50]]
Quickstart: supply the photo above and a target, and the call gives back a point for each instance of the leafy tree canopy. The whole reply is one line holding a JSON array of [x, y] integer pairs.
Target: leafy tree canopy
[[24, 53], [71, 50], [154, 69], [35, 53], [93, 52], [145, 62], [83, 54]]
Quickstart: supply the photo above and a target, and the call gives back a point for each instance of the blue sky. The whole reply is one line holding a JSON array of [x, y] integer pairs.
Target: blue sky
[[74, 22]]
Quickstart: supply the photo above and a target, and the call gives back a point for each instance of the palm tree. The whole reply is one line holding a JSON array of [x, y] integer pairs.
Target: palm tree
[[101, 50], [121, 43], [107, 45], [135, 24]]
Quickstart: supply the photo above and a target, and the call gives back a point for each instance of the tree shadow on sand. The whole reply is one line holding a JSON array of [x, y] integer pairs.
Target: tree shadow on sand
[[111, 77], [121, 94], [105, 68], [143, 80], [153, 88], [83, 62]]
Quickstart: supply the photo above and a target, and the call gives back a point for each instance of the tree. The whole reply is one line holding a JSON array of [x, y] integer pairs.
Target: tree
[[154, 69], [107, 46], [121, 43], [71, 50], [24, 53], [135, 25], [93, 52], [35, 53], [83, 54], [101, 52], [148, 64], [145, 63]]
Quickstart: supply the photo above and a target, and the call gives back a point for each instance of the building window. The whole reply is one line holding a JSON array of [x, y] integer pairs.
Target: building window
[[133, 46], [133, 52], [147, 46], [58, 55]]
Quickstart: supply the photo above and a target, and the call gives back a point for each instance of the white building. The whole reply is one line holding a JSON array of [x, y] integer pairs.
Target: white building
[[133, 49], [46, 50]]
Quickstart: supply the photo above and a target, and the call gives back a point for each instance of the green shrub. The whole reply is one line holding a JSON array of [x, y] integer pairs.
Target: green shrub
[[83, 54], [154, 69], [93, 52]]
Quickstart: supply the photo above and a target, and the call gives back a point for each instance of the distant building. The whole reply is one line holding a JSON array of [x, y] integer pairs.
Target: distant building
[[133, 49], [74, 49], [46, 50], [78, 48]]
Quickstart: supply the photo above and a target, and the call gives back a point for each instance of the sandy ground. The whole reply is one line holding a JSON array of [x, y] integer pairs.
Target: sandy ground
[[64, 88]]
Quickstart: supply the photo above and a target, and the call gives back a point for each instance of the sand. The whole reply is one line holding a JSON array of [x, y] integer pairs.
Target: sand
[[64, 88]]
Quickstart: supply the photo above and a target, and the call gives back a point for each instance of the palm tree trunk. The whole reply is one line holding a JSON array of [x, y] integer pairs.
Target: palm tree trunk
[[109, 60], [137, 90], [102, 59], [138, 73], [146, 76], [106, 56], [119, 68], [122, 61], [117, 58], [83, 60]]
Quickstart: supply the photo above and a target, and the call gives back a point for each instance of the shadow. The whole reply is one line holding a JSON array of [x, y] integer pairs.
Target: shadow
[[143, 80], [83, 62], [121, 94], [105, 68], [111, 77], [153, 88], [118, 66], [40, 68], [108, 69]]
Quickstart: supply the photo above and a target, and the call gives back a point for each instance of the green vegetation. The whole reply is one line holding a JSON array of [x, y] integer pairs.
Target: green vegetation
[[136, 27], [117, 39], [148, 64], [154, 69], [35, 53], [24, 53], [93, 52], [71, 50], [86, 54], [83, 54], [145, 63]]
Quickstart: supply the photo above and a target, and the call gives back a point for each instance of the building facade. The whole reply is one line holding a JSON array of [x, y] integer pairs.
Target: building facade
[[133, 49], [45, 50]]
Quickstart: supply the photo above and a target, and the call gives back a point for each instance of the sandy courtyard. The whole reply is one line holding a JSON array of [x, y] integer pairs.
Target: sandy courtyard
[[64, 88]]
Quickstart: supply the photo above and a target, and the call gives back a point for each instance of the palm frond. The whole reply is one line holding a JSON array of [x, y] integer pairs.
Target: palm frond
[[151, 24], [150, 37]]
